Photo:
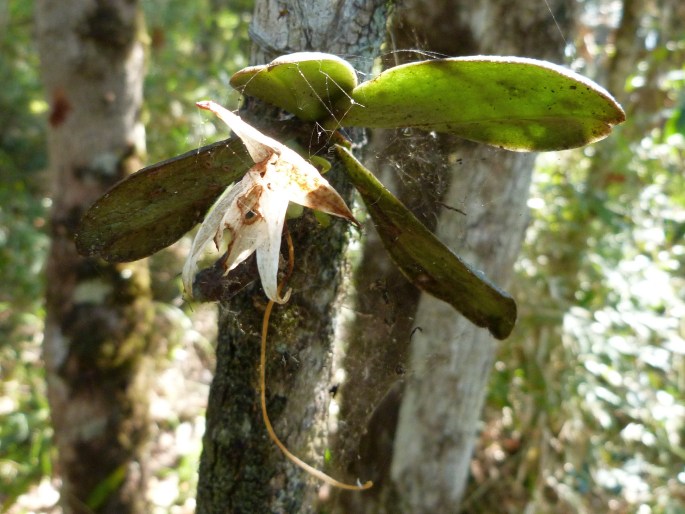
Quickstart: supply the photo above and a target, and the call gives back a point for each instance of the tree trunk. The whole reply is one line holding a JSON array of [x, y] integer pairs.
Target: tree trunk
[[241, 469], [97, 318], [450, 358]]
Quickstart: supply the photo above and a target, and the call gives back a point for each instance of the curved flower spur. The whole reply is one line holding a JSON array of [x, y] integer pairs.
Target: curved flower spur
[[253, 210]]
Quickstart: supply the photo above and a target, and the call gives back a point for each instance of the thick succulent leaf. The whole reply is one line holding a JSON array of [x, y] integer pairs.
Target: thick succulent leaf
[[428, 263], [514, 103], [155, 206], [306, 84]]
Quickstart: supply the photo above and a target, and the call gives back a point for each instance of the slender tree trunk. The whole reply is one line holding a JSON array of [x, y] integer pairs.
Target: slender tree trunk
[[92, 64], [241, 469], [450, 358]]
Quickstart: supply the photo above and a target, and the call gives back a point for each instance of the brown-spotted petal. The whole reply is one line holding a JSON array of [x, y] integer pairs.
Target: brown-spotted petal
[[303, 184], [295, 177], [212, 224]]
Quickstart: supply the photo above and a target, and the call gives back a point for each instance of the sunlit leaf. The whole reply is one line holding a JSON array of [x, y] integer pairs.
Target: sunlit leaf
[[155, 206], [306, 84], [428, 263], [514, 103]]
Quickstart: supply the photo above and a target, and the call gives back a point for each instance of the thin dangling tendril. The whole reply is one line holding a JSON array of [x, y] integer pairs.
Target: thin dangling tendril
[[262, 386]]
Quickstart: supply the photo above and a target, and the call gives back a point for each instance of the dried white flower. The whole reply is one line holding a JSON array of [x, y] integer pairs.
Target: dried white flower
[[253, 210]]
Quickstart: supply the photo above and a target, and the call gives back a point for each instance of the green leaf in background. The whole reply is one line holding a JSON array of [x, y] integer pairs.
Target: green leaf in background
[[510, 102], [307, 84], [155, 206], [105, 489], [425, 261]]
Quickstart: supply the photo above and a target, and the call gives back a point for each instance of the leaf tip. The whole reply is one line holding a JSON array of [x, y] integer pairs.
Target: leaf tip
[[502, 326]]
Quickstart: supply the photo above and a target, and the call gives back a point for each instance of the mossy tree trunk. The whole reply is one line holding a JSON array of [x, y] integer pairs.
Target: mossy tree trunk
[[241, 469], [98, 315]]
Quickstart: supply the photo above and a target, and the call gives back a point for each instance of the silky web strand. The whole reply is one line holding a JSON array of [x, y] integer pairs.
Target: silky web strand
[[262, 386]]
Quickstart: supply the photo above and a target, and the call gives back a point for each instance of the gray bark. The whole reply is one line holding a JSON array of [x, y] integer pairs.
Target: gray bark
[[92, 63], [451, 359], [241, 469]]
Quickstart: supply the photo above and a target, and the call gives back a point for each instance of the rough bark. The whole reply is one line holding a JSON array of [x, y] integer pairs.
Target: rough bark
[[241, 469], [97, 317]]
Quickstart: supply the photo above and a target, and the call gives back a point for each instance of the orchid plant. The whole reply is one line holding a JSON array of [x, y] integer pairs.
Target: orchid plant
[[509, 102], [243, 186]]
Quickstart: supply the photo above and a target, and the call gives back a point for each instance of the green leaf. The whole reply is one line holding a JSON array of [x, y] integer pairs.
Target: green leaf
[[514, 103], [155, 206], [306, 84], [428, 263], [105, 489]]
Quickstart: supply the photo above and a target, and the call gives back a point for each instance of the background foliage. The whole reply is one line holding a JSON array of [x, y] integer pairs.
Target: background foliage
[[24, 427], [586, 410]]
